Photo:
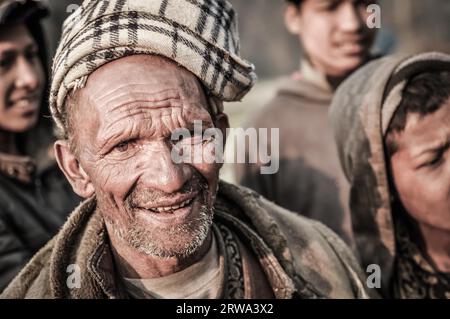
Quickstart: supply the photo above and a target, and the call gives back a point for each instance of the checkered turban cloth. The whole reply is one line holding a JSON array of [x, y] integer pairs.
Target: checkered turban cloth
[[200, 35]]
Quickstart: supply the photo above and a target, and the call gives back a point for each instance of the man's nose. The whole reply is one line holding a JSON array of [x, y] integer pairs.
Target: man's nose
[[27, 75], [350, 19], [163, 173]]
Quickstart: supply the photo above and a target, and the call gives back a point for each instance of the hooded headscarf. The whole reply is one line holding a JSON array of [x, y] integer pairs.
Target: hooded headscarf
[[361, 112], [200, 35]]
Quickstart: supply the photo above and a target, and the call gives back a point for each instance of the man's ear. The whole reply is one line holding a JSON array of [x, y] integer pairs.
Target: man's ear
[[75, 174], [292, 18], [222, 123]]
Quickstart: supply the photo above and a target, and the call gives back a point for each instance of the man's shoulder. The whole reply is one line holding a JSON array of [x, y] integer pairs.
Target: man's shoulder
[[33, 280], [319, 256], [292, 224], [287, 221]]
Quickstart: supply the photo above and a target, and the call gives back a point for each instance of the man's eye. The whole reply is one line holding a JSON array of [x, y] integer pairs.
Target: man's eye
[[207, 139], [123, 146], [202, 138]]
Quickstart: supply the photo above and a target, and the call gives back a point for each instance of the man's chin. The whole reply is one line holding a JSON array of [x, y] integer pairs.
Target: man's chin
[[170, 236], [180, 245]]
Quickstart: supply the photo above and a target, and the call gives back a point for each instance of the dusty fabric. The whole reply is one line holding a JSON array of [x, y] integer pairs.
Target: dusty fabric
[[234, 287], [310, 180], [361, 112], [200, 35], [300, 258]]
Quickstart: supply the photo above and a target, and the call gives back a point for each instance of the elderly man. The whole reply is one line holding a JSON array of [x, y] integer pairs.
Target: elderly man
[[126, 76]]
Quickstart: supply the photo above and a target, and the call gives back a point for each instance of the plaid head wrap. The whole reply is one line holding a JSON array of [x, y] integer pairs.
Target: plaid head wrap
[[200, 35]]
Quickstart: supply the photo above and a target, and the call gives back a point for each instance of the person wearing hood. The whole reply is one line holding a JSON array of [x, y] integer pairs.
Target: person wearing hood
[[34, 196], [392, 126], [336, 41]]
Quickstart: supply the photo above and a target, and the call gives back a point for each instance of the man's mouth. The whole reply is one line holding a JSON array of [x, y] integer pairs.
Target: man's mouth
[[171, 208], [173, 213]]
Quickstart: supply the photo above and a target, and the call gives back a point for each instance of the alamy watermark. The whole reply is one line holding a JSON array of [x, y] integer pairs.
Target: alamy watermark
[[74, 276], [374, 19], [252, 145], [374, 279]]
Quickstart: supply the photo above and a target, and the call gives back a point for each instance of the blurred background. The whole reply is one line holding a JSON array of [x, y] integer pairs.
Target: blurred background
[[408, 26]]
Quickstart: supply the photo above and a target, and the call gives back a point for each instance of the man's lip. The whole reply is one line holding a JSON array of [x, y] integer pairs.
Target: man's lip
[[173, 202], [173, 217]]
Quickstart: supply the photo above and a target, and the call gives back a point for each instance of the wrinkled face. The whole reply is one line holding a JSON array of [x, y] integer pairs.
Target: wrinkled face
[[334, 33], [123, 125], [421, 167], [21, 79]]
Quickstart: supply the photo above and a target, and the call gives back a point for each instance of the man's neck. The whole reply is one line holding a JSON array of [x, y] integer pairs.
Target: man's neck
[[133, 264], [437, 242], [8, 143]]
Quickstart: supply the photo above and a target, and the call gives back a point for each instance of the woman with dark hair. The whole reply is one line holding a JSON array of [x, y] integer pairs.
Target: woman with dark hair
[[34, 195]]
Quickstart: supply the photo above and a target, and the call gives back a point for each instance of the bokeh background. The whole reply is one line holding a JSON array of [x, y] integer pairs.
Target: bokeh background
[[408, 26]]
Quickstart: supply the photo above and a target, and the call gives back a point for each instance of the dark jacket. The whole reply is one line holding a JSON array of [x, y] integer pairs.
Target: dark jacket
[[31, 212]]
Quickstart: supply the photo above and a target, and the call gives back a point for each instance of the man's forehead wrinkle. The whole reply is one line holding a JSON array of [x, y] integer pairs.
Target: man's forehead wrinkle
[[188, 110], [145, 105], [170, 119], [131, 110], [124, 120], [106, 135], [132, 89], [144, 95]]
